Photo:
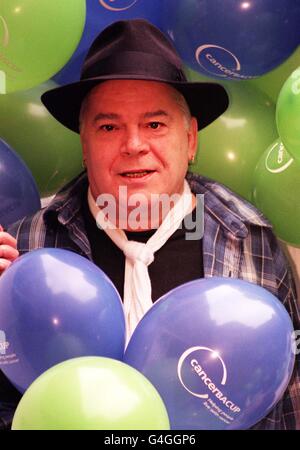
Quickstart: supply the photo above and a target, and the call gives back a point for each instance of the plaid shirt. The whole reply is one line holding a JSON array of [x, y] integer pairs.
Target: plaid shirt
[[238, 242]]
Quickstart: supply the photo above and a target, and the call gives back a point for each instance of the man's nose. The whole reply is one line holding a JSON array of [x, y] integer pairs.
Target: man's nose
[[134, 143]]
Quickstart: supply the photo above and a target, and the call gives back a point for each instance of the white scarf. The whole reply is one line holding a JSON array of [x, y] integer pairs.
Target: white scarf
[[137, 285]]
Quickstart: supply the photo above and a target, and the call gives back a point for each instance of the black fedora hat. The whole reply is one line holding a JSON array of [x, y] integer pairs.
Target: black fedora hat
[[135, 50]]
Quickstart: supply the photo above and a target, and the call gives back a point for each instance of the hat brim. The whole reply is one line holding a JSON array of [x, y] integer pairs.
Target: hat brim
[[207, 101]]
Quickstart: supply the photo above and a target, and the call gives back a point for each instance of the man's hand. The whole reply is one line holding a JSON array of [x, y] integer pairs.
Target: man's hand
[[8, 250]]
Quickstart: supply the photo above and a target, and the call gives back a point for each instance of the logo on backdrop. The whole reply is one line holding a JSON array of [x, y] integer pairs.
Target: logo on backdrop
[[117, 5], [5, 38], [216, 60], [278, 159], [193, 370], [3, 343]]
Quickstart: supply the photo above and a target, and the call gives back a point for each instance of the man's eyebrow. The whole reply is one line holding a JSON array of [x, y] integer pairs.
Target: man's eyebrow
[[114, 116], [106, 116], [159, 112]]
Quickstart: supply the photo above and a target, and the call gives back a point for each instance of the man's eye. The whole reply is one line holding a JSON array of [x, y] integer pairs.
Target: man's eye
[[155, 125], [107, 127]]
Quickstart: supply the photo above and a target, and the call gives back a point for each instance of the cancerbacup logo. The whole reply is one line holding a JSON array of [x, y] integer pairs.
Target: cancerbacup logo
[[219, 61], [296, 83], [117, 5], [3, 343], [194, 377], [278, 160], [4, 34]]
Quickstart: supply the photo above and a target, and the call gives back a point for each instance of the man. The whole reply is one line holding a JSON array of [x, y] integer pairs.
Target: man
[[138, 119]]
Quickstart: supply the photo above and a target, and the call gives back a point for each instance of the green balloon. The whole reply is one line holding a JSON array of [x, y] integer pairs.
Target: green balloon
[[37, 38], [231, 146], [276, 191], [91, 393], [288, 114], [272, 82], [50, 150]]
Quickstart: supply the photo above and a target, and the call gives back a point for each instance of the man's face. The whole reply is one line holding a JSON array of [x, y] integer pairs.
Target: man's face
[[134, 134]]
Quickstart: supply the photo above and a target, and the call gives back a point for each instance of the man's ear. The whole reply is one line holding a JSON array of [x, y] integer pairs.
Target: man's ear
[[193, 138]]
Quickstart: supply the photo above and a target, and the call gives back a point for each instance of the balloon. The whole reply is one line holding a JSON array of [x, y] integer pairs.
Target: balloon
[[233, 39], [272, 82], [91, 394], [18, 192], [56, 305], [276, 191], [100, 14], [37, 38], [231, 146], [219, 351], [288, 114], [51, 151]]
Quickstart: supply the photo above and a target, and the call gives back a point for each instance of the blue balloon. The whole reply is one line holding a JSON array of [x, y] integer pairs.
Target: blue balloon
[[219, 351], [56, 305], [233, 39], [100, 14], [19, 194]]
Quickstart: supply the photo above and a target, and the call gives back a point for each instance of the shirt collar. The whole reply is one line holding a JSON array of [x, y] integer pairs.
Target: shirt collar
[[232, 211], [67, 202]]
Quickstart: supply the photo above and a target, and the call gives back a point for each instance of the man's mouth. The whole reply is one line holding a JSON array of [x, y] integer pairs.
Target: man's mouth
[[136, 173]]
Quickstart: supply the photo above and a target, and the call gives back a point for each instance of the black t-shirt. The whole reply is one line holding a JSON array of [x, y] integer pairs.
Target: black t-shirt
[[178, 261]]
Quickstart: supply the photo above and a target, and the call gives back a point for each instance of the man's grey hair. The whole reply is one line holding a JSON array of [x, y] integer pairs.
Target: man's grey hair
[[182, 103]]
